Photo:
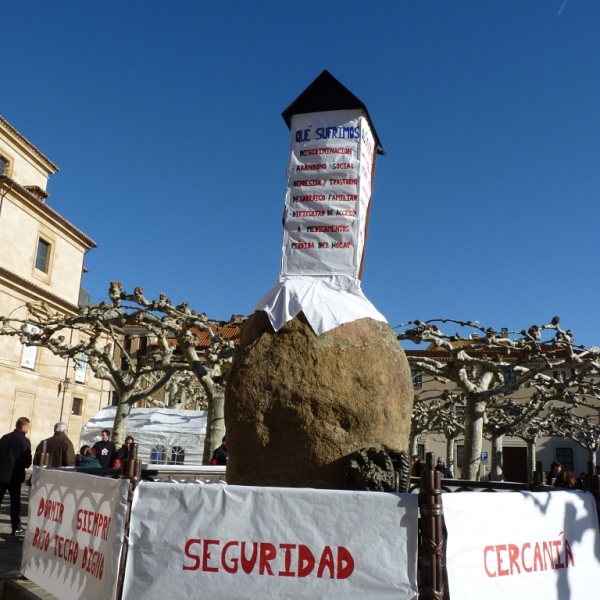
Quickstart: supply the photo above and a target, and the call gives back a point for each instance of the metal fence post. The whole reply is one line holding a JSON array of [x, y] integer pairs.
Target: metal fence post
[[44, 456], [432, 532], [132, 470]]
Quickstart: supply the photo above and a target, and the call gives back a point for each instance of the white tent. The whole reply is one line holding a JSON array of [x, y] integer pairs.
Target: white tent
[[163, 435]]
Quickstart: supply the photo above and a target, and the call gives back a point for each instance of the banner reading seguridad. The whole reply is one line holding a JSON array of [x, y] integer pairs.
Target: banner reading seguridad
[[542, 545], [250, 542], [74, 537]]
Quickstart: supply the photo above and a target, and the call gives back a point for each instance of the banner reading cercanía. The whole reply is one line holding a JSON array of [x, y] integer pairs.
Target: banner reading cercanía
[[328, 194], [224, 542], [74, 537], [522, 545]]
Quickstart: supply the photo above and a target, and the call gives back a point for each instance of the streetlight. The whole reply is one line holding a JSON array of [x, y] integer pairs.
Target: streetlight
[[66, 384]]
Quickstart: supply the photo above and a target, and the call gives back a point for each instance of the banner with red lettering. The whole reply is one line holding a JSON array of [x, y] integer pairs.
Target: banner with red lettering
[[542, 545], [328, 193], [226, 542], [74, 536]]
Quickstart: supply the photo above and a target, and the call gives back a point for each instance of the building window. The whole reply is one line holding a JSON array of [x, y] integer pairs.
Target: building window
[[143, 347], [158, 455], [114, 399], [3, 166], [421, 452], [177, 455], [460, 453], [565, 457], [77, 406], [417, 378], [510, 376], [460, 410], [42, 258]]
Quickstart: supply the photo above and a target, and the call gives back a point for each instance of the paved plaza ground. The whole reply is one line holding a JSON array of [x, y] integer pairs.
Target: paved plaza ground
[[11, 548]]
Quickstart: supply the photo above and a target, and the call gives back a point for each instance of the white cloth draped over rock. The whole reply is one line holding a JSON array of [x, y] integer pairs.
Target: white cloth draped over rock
[[325, 301]]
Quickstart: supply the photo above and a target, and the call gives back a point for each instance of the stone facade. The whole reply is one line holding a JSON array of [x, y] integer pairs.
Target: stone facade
[[33, 379]]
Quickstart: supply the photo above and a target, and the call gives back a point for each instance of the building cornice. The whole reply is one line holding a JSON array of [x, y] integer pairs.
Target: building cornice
[[41, 157], [36, 292], [6, 183]]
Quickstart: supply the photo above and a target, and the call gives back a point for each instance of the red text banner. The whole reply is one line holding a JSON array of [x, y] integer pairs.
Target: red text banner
[[236, 542], [328, 194], [74, 534], [522, 545]]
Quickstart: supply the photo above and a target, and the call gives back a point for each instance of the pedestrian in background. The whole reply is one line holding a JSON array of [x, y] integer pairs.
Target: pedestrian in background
[[553, 473], [123, 452], [105, 450], [417, 466], [219, 456], [15, 457], [565, 480], [443, 469], [86, 459], [59, 448]]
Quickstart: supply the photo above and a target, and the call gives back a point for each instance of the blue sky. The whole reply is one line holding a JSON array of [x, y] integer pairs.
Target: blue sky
[[164, 119]]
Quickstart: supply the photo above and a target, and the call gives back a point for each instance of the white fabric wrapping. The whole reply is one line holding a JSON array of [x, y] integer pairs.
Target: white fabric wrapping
[[325, 301]]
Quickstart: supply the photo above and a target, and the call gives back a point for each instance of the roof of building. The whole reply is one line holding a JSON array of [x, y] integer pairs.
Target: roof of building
[[39, 291], [45, 207], [490, 353], [4, 123], [230, 332], [324, 94]]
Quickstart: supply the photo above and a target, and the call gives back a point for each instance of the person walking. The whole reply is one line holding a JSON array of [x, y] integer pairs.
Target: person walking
[[59, 448], [15, 457], [105, 450]]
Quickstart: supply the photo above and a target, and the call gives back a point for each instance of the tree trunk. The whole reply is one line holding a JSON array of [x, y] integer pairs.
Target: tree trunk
[[414, 445], [450, 454], [531, 459], [473, 438], [592, 457], [121, 419], [215, 422], [496, 473]]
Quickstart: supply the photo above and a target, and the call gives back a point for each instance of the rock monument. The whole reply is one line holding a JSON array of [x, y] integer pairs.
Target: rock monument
[[319, 374]]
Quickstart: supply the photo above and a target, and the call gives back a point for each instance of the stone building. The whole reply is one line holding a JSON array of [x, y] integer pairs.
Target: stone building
[[41, 260]]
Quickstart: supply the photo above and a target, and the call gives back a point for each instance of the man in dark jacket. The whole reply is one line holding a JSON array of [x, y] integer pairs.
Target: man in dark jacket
[[15, 457], [219, 456], [59, 448], [443, 469], [105, 450], [123, 452]]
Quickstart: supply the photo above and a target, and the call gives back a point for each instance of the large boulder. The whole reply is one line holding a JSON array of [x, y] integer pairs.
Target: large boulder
[[298, 405]]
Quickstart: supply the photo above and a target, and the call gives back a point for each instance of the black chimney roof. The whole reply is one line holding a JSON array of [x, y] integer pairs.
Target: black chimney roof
[[323, 94]]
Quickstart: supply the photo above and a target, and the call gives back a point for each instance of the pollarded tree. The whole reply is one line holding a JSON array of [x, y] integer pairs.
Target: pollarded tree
[[491, 366], [175, 330], [516, 418], [579, 428], [425, 416], [437, 410]]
